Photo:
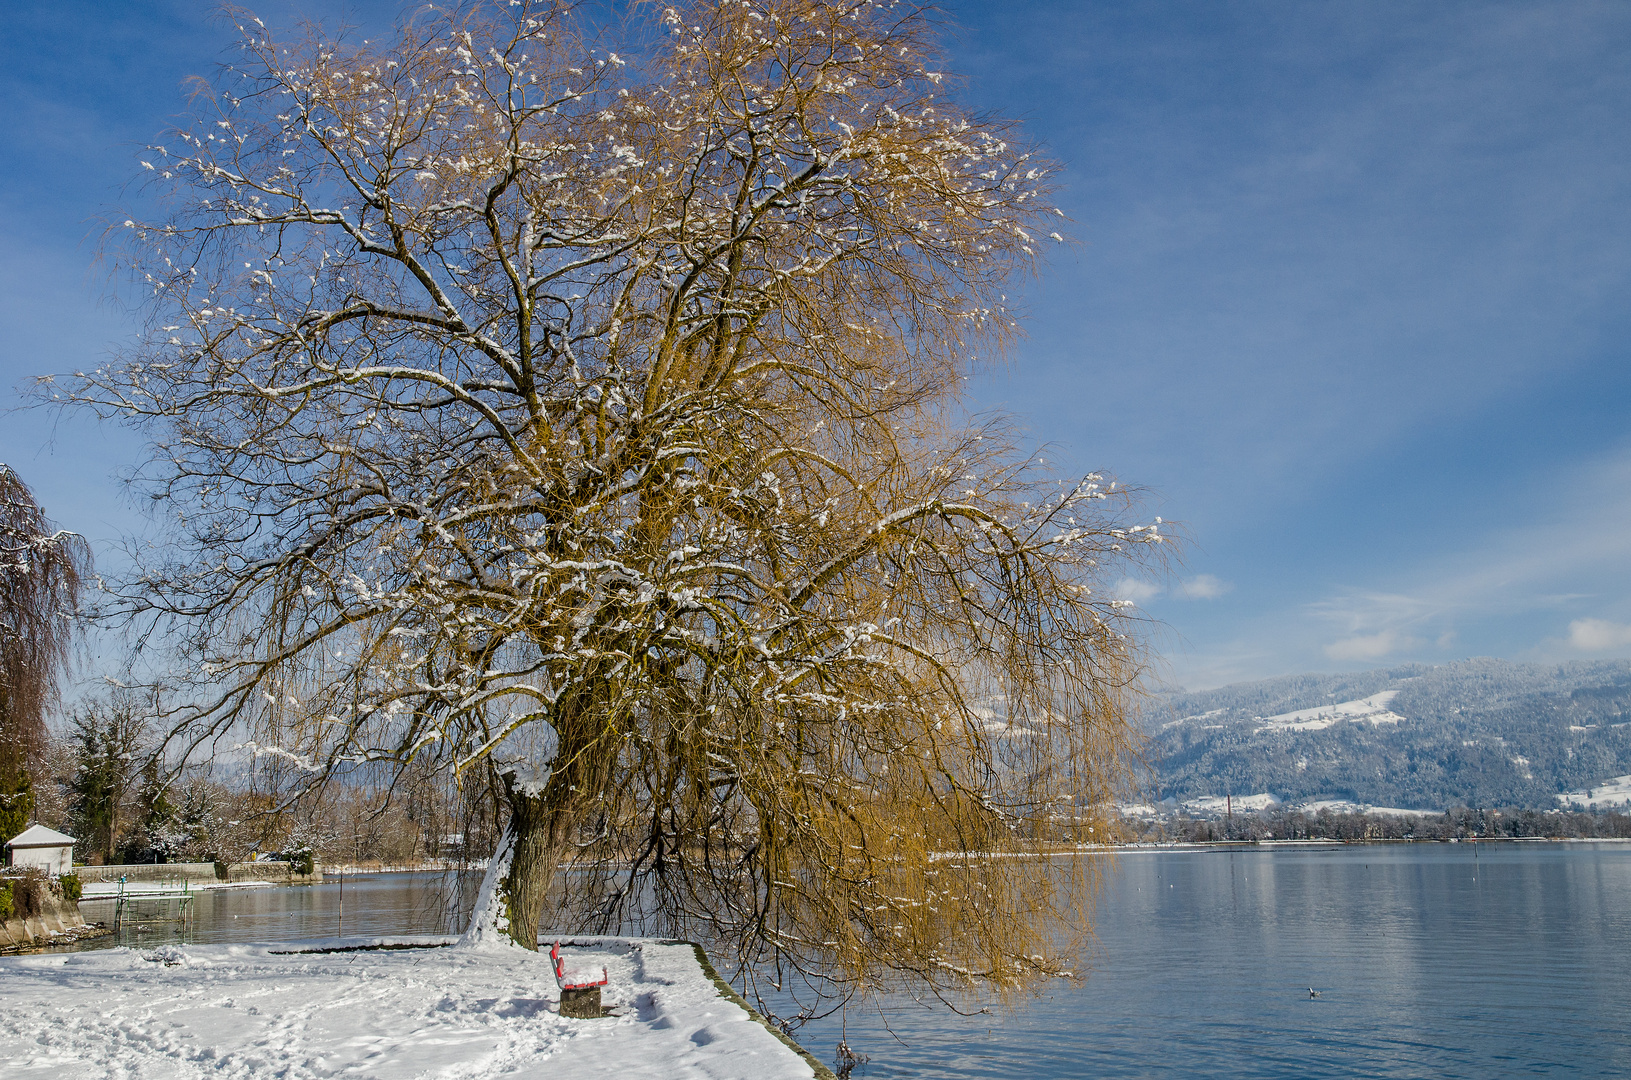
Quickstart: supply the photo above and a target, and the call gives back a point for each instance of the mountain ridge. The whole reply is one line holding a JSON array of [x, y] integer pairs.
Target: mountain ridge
[[1479, 732]]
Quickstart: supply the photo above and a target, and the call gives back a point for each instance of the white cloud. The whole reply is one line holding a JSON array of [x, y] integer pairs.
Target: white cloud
[[1200, 587], [1355, 611], [1206, 587], [1598, 635], [1136, 590], [1368, 646], [1485, 596]]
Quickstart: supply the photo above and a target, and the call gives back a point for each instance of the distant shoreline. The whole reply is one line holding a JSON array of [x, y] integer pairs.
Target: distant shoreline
[[1202, 845]]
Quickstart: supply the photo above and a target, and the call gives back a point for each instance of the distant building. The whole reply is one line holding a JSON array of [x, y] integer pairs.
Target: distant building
[[45, 848]]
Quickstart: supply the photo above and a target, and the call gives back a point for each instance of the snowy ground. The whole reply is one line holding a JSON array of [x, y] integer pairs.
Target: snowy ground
[[1214, 806], [263, 1010], [1372, 710], [1343, 806], [1218, 804], [1614, 792]]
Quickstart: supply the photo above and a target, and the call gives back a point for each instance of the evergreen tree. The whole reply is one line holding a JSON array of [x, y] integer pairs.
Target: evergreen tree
[[108, 738], [16, 803]]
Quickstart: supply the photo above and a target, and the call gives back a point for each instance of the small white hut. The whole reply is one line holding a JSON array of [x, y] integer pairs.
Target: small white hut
[[45, 848]]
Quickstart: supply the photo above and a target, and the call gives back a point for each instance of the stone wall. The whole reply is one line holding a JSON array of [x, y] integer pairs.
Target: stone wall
[[54, 916], [279, 873], [200, 873]]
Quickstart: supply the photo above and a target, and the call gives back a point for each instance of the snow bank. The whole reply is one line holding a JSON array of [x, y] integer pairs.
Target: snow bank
[[422, 1009]]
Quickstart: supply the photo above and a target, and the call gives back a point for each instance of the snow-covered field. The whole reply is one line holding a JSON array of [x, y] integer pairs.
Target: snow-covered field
[[1343, 806], [266, 1010], [1615, 792], [1217, 804], [1372, 710]]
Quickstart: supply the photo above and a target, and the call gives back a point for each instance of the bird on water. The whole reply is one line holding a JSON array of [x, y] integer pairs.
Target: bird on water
[[1313, 993]]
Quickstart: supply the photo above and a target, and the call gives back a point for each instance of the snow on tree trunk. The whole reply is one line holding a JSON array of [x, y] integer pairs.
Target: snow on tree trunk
[[490, 921]]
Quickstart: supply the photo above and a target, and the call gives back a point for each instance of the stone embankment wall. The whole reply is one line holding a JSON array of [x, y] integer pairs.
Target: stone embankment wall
[[419, 866], [49, 915], [200, 873]]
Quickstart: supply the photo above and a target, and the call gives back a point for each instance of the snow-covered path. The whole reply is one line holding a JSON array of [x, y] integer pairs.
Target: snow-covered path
[[263, 1010]]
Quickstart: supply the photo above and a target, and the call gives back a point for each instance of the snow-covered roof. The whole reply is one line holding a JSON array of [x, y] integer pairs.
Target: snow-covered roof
[[39, 836]]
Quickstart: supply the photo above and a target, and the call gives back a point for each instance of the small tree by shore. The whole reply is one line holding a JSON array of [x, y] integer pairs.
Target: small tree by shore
[[110, 739]]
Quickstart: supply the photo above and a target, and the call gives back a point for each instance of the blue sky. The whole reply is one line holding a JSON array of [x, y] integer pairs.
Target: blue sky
[[1350, 299]]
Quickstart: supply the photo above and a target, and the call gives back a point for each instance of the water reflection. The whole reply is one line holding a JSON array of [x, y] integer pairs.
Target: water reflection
[[358, 905]]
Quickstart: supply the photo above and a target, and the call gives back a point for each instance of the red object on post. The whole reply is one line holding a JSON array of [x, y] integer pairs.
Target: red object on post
[[560, 972]]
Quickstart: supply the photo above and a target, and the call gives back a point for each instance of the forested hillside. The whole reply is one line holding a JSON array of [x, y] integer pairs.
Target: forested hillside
[[1479, 732]]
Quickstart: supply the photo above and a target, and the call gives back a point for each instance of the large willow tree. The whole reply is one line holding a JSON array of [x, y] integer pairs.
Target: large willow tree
[[587, 425], [41, 569]]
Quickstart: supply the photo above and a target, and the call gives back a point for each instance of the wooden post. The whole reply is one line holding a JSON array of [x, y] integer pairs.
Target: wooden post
[[582, 1003]]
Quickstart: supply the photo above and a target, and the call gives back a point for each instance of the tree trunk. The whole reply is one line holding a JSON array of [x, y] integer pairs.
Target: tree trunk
[[511, 903], [539, 844], [544, 809]]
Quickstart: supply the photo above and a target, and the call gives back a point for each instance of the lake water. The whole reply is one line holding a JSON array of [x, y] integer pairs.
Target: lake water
[[1432, 960], [364, 904]]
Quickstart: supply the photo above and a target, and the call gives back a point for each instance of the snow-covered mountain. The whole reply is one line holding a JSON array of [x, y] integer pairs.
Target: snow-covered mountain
[[1479, 733]]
